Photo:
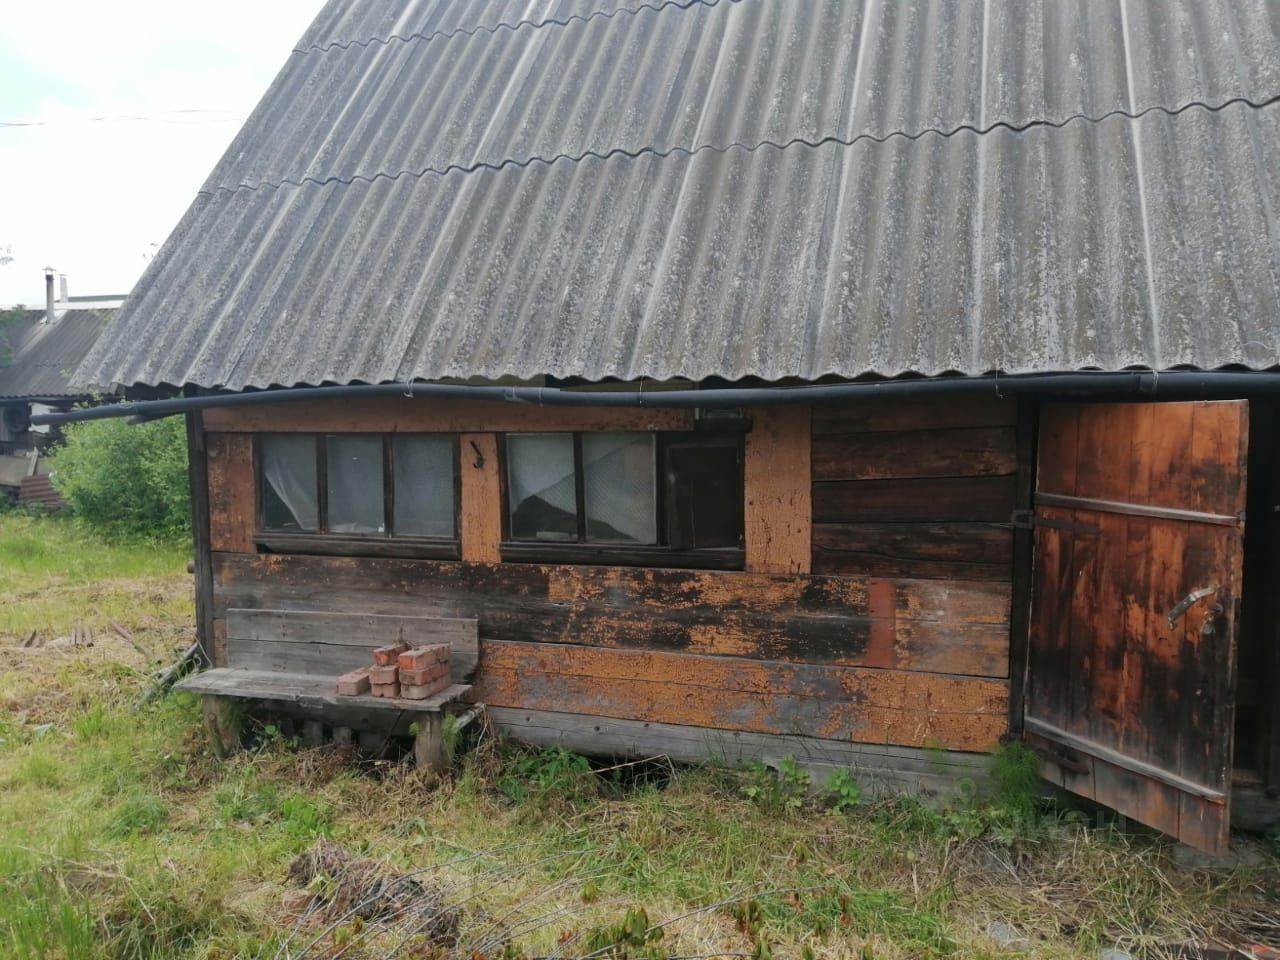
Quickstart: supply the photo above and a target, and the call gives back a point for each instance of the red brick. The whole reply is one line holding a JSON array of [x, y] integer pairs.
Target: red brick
[[420, 657], [354, 683], [386, 690], [425, 676], [386, 656], [415, 692], [389, 674]]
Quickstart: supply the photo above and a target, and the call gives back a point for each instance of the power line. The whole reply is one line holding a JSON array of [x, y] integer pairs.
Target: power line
[[164, 116]]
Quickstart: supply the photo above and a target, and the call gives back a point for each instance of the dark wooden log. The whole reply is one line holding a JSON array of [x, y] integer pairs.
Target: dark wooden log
[[956, 551], [947, 627], [975, 452], [842, 703], [915, 413], [966, 499]]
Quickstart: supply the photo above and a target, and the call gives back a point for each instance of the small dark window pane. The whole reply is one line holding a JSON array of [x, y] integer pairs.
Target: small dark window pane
[[289, 482], [424, 486], [704, 495], [619, 487], [541, 485], [354, 471]]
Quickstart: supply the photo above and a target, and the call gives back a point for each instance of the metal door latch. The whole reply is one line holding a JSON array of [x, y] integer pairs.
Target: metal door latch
[[1189, 601]]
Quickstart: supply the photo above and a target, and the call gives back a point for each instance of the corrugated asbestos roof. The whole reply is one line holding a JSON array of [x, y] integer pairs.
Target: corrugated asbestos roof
[[771, 188], [37, 359]]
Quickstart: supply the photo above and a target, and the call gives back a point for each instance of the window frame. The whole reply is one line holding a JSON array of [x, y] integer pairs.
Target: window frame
[[387, 544], [612, 553]]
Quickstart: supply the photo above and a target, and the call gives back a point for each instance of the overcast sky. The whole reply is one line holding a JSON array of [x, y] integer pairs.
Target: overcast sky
[[95, 198]]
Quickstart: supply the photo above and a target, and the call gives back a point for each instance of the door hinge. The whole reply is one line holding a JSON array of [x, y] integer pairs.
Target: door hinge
[[1026, 519]]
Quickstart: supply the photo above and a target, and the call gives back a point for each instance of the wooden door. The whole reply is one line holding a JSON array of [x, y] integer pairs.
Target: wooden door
[[1139, 517]]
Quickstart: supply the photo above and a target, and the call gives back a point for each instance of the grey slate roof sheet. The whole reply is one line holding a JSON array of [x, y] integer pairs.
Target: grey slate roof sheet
[[42, 356], [606, 188]]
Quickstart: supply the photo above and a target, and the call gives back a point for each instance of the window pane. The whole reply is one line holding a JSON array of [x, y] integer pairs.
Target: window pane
[[618, 487], [704, 495], [354, 467], [424, 487], [541, 487], [289, 482]]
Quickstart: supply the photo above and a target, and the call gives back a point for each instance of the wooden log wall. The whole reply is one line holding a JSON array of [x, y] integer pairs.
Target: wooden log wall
[[915, 488], [873, 656]]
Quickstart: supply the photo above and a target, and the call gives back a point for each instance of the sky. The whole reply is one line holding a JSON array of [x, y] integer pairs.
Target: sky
[[94, 198]]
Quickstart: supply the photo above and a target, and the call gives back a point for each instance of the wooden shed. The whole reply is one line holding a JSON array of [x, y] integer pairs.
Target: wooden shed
[[753, 379]]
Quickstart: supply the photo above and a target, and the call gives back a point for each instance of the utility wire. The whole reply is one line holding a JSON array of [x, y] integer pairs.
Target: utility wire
[[165, 116]]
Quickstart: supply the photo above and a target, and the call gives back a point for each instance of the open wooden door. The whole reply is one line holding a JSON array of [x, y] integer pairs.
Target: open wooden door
[[1139, 520]]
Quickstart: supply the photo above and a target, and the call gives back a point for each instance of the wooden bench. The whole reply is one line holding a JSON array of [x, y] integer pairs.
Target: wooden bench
[[295, 657]]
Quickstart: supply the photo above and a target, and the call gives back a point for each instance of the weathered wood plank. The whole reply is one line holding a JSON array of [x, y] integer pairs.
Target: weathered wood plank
[[419, 415], [481, 507], [951, 627], [198, 482], [306, 690], [913, 413], [959, 551], [880, 769], [883, 455], [777, 491], [316, 641], [876, 706], [970, 499], [233, 495]]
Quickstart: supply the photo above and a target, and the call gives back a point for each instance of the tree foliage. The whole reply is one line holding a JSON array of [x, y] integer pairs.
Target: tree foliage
[[127, 480]]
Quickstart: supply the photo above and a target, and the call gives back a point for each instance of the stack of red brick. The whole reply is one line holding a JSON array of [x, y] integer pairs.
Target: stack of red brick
[[400, 672]]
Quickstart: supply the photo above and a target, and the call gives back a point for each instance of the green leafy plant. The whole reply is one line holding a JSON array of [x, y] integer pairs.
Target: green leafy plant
[[8, 319], [782, 789], [127, 480], [545, 772], [845, 791]]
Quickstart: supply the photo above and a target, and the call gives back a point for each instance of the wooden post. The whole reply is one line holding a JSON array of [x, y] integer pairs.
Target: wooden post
[[778, 502], [428, 744], [481, 513], [312, 733], [1023, 561], [198, 476], [221, 722]]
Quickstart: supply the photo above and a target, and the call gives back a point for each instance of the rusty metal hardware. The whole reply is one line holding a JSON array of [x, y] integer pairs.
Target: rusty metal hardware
[[479, 461], [1026, 519], [1189, 601]]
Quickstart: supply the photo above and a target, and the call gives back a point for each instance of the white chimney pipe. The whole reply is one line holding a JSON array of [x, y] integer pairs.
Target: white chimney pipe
[[62, 288], [49, 302]]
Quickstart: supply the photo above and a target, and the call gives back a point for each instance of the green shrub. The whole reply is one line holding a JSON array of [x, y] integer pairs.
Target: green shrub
[[128, 480]]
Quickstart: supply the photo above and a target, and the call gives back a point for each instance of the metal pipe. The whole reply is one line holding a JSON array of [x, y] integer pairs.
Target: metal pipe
[[1188, 384], [50, 303]]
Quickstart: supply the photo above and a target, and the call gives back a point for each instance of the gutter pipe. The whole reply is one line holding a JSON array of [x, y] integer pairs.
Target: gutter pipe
[[1142, 384]]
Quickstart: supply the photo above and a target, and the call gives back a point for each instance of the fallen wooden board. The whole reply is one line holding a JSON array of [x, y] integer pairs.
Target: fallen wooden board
[[305, 690]]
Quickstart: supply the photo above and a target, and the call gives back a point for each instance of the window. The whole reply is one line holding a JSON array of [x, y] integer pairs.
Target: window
[[359, 493], [639, 498]]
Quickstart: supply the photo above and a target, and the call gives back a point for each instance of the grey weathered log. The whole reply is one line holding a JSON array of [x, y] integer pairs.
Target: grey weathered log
[[879, 769], [170, 674], [317, 641]]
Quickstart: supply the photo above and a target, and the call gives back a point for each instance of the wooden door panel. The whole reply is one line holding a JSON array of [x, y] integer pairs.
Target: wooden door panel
[[1138, 505]]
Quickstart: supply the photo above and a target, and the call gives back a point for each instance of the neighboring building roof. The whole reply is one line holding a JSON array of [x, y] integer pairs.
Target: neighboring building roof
[[733, 188], [41, 356]]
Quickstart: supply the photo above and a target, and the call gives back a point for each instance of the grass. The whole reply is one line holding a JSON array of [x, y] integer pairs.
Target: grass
[[122, 838], [54, 572]]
